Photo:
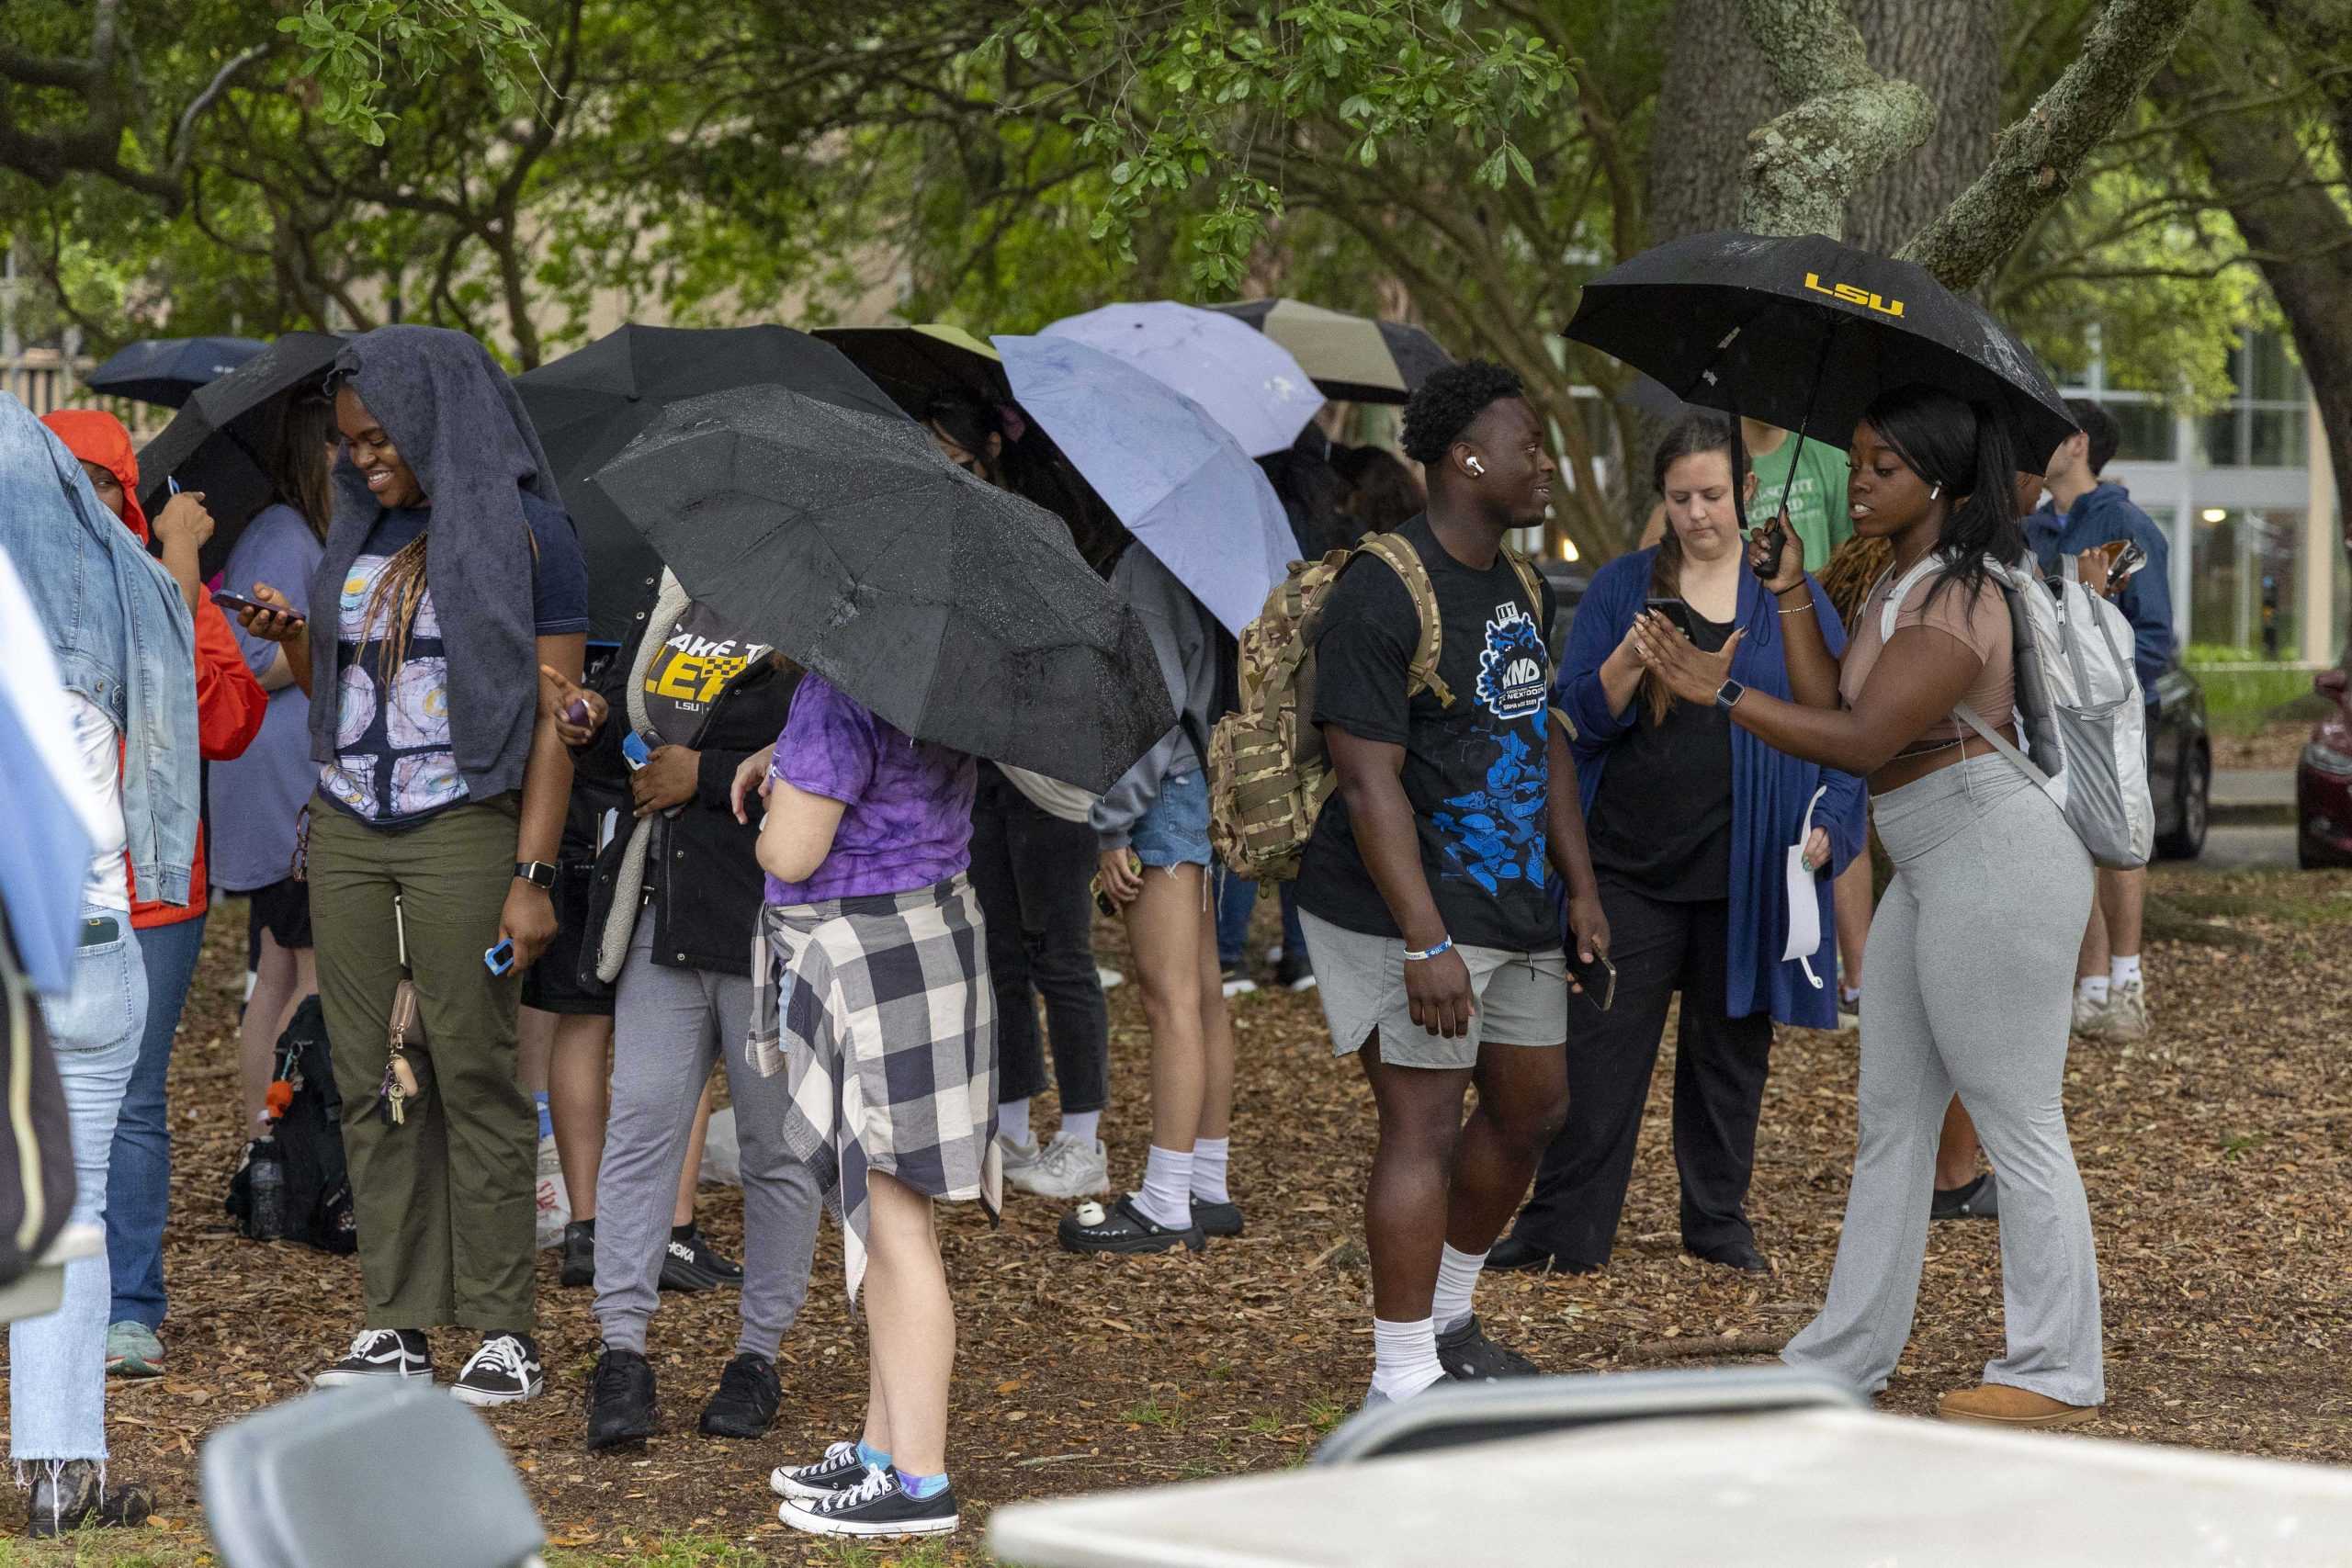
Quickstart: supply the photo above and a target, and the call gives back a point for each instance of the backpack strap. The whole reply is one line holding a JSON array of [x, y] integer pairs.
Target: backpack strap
[[1407, 563], [1527, 580]]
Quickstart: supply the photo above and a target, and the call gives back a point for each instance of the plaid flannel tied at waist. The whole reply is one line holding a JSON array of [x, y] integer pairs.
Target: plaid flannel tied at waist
[[879, 1010]]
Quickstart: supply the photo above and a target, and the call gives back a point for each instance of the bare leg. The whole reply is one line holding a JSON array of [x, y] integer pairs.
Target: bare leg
[[690, 1173], [1851, 896], [534, 1044], [1408, 1201], [1165, 928], [1217, 1033], [2092, 964], [1522, 1102], [276, 992], [1956, 1153], [579, 1098], [910, 1327], [2123, 896]]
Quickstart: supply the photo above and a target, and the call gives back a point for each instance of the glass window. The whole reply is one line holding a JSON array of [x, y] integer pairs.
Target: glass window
[[2276, 438], [2217, 621], [2269, 373], [2276, 541], [2219, 436], [2148, 432]]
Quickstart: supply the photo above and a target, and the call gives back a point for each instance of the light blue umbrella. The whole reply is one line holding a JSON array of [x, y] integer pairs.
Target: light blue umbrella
[[1249, 383], [1164, 464]]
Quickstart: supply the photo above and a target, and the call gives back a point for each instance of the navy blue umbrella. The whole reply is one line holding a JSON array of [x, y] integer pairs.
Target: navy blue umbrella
[[165, 370]]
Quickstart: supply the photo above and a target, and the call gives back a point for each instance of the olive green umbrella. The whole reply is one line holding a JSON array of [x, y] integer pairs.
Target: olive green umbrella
[[1352, 358]]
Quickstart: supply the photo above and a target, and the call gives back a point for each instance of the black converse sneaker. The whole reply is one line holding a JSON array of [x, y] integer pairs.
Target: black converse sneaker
[[877, 1506], [505, 1370], [382, 1353], [839, 1471]]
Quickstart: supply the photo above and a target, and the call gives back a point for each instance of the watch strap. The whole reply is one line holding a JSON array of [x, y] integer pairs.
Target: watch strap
[[537, 872]]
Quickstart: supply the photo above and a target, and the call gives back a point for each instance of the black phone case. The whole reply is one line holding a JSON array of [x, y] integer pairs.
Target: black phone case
[[1598, 979]]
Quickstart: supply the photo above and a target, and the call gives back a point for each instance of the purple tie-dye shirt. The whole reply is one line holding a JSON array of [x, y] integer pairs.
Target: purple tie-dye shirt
[[908, 822]]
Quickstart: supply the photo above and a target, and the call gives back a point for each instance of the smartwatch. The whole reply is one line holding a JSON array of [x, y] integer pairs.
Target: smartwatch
[[537, 872], [1729, 692]]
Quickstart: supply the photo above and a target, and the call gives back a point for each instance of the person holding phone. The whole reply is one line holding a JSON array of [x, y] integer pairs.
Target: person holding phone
[[1689, 822], [230, 709], [455, 577]]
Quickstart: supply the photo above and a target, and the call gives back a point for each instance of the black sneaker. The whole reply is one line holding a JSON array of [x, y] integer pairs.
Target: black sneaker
[[1979, 1199], [579, 1265], [839, 1471], [620, 1400], [745, 1404], [1294, 972], [690, 1265], [504, 1370], [877, 1505], [388, 1353], [1216, 1219], [69, 1497], [1123, 1227], [1468, 1356]]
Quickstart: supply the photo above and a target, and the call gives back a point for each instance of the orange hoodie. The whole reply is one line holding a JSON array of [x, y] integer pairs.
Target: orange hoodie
[[229, 703]]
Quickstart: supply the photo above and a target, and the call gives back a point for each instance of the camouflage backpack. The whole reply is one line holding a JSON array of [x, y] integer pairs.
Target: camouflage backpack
[[1269, 774]]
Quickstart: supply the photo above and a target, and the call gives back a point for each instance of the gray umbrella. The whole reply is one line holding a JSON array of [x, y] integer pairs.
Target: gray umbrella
[[958, 611]]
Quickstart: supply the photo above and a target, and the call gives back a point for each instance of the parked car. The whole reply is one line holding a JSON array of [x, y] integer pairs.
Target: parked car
[[2324, 780], [2180, 764]]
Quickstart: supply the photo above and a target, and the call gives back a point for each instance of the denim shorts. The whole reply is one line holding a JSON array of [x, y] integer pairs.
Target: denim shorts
[[1174, 830]]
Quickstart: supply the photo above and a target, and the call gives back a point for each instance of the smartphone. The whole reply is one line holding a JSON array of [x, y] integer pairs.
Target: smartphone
[[634, 751], [233, 601], [2128, 559], [1678, 611], [500, 958], [1599, 977]]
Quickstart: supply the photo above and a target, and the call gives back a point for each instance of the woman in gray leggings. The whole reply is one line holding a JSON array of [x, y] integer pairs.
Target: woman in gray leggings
[[1972, 956]]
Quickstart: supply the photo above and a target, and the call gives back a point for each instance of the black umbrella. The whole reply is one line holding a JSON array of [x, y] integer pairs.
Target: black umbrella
[[221, 442], [915, 363], [1804, 332], [956, 611], [590, 404], [166, 370]]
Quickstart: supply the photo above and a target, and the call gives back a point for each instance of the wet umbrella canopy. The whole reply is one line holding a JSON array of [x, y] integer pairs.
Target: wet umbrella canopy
[[591, 403], [164, 370], [219, 443], [956, 611], [1352, 358]]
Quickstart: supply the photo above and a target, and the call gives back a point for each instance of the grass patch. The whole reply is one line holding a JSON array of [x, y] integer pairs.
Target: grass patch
[[1148, 1411], [2293, 909], [2242, 699], [1323, 1413]]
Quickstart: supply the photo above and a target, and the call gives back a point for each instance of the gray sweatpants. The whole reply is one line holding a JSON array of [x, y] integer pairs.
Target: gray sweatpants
[[1971, 971], [668, 1026]]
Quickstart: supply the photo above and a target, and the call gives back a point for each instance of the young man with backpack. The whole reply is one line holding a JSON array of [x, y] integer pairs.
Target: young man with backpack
[[1426, 883]]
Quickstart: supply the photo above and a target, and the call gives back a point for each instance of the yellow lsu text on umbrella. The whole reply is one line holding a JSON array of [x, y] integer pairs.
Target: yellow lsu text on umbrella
[[1853, 296]]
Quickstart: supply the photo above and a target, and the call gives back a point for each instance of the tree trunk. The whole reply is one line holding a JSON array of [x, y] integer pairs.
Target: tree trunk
[[1951, 50], [1715, 92]]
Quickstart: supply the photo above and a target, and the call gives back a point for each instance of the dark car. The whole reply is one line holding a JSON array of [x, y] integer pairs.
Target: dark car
[[2180, 764], [2324, 780]]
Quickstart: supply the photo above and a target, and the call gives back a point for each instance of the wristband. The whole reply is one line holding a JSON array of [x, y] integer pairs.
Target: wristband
[[1446, 945]]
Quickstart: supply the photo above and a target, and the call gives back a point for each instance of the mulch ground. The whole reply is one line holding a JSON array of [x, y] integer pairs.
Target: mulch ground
[[2216, 1156], [2275, 745]]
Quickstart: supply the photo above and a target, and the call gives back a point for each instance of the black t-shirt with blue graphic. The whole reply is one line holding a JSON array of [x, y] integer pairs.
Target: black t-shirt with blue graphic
[[1476, 772]]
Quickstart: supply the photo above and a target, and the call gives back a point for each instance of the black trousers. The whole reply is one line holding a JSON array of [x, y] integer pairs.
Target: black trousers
[[1030, 870], [1659, 948]]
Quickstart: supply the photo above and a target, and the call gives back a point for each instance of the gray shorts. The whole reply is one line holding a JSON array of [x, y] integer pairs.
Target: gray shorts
[[1522, 998]]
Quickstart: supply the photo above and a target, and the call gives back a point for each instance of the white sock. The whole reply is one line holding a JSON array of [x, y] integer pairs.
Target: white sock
[[1167, 1195], [1079, 1127], [1012, 1121], [1404, 1358], [2092, 988], [1209, 1156], [1457, 1277], [2124, 971]]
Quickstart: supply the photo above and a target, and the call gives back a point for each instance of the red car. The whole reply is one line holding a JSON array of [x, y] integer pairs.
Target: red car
[[2324, 780]]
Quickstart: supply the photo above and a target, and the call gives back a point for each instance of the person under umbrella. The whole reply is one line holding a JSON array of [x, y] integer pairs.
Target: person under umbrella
[[230, 709], [456, 579]]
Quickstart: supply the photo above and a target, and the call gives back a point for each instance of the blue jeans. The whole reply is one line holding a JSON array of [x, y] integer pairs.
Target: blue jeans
[[57, 1363], [1236, 901], [140, 1181]]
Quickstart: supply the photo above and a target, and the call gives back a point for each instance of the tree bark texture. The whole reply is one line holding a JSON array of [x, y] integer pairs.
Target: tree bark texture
[[1846, 122], [1951, 50], [1715, 90], [2034, 161]]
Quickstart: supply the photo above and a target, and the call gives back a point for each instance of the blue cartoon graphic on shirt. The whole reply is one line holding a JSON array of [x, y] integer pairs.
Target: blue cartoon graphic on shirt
[[1494, 834]]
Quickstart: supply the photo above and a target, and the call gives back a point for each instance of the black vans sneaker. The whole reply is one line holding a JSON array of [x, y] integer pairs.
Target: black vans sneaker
[[839, 1471], [387, 1353], [877, 1506], [1123, 1227], [745, 1404], [1468, 1356], [579, 1265], [505, 1370], [691, 1264], [620, 1400]]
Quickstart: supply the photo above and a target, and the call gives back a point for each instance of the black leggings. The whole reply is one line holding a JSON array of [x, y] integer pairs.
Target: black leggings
[[1659, 948], [1030, 870]]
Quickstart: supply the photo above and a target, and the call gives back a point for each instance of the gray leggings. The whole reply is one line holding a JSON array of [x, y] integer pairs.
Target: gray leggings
[[1971, 967], [668, 1025]]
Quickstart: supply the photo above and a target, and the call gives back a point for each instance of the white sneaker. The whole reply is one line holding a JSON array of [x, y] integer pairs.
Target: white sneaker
[[2090, 1018], [1109, 979], [1020, 1159], [2127, 1011], [1070, 1167]]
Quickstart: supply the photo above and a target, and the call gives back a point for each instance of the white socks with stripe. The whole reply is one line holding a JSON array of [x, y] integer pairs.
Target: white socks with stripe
[[1457, 1277], [1404, 1358], [1167, 1195]]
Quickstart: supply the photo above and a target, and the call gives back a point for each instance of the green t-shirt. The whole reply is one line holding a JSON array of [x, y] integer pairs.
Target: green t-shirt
[[1817, 503]]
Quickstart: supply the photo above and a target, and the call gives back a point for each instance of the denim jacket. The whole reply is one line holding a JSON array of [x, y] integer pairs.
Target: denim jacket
[[123, 636]]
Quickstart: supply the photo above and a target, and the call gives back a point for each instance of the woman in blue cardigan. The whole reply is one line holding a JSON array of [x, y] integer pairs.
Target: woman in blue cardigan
[[1690, 822]]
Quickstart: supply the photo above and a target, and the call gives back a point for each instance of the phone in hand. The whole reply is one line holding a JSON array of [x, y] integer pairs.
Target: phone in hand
[[1598, 979], [1678, 611], [228, 600], [1102, 899], [634, 751], [2126, 561], [501, 958]]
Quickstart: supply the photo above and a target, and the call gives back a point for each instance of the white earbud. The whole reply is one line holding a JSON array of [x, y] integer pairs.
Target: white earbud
[[1475, 466], [1934, 489]]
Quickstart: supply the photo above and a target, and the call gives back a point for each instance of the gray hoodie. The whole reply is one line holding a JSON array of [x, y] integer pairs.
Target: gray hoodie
[[1185, 640]]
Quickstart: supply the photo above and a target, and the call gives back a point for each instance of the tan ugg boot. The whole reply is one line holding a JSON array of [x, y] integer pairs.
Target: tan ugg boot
[[1998, 1404]]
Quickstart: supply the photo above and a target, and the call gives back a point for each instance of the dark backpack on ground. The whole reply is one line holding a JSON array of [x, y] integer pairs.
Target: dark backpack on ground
[[309, 1135]]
